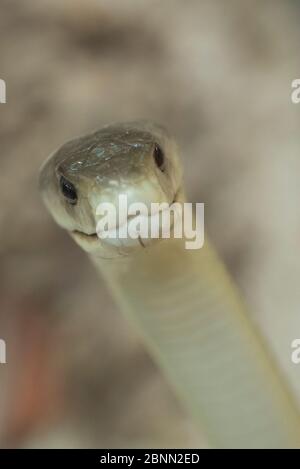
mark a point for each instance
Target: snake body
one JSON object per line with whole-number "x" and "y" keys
{"x": 182, "y": 302}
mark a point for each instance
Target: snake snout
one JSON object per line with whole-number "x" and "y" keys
{"x": 119, "y": 204}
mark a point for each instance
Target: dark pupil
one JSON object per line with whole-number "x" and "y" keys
{"x": 68, "y": 190}
{"x": 159, "y": 157}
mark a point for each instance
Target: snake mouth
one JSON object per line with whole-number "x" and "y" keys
{"x": 82, "y": 235}
{"x": 96, "y": 238}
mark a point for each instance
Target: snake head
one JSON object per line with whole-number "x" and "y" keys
{"x": 137, "y": 161}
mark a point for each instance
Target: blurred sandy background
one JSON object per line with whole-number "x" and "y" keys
{"x": 218, "y": 74}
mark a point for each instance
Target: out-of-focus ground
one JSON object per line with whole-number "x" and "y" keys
{"x": 218, "y": 74}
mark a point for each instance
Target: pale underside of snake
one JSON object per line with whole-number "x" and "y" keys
{"x": 182, "y": 302}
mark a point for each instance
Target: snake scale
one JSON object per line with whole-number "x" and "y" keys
{"x": 182, "y": 302}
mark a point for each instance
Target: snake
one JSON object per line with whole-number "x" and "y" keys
{"x": 183, "y": 303}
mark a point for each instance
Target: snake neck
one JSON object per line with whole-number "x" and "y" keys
{"x": 193, "y": 322}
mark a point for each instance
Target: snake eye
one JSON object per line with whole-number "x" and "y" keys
{"x": 159, "y": 157}
{"x": 68, "y": 190}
